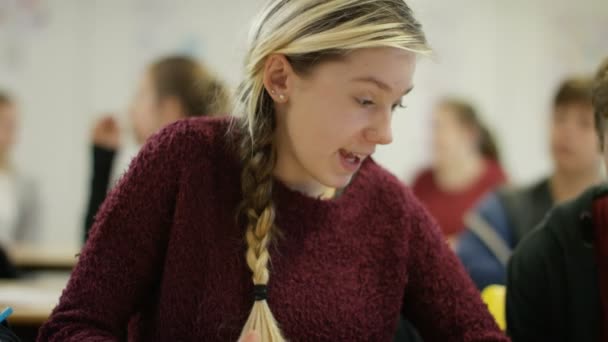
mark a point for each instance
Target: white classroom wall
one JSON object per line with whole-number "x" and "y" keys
{"x": 69, "y": 61}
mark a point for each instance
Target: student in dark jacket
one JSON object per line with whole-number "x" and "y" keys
{"x": 172, "y": 88}
{"x": 557, "y": 285}
{"x": 505, "y": 216}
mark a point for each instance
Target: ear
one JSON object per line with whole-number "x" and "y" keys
{"x": 278, "y": 77}
{"x": 170, "y": 110}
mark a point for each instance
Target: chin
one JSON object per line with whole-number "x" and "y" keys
{"x": 574, "y": 167}
{"x": 337, "y": 181}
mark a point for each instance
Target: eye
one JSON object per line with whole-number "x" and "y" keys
{"x": 398, "y": 105}
{"x": 365, "y": 102}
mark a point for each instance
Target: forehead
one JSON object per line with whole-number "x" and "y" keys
{"x": 444, "y": 114}
{"x": 575, "y": 109}
{"x": 391, "y": 66}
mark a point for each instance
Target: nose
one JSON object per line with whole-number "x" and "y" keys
{"x": 380, "y": 131}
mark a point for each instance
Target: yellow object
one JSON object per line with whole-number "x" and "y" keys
{"x": 494, "y": 296}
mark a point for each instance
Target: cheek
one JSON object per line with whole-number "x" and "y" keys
{"x": 595, "y": 147}
{"x": 144, "y": 123}
{"x": 325, "y": 123}
{"x": 587, "y": 141}
{"x": 147, "y": 109}
{"x": 3, "y": 136}
{"x": 146, "y": 112}
{"x": 145, "y": 102}
{"x": 446, "y": 138}
{"x": 345, "y": 127}
{"x": 6, "y": 141}
{"x": 7, "y": 131}
{"x": 137, "y": 120}
{"x": 557, "y": 135}
{"x": 310, "y": 133}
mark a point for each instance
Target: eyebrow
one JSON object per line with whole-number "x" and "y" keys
{"x": 380, "y": 84}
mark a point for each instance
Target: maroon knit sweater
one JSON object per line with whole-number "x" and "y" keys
{"x": 165, "y": 259}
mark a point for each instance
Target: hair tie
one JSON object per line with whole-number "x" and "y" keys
{"x": 260, "y": 292}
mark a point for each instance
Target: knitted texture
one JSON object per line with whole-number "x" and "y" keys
{"x": 166, "y": 259}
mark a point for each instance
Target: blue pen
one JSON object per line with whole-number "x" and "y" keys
{"x": 4, "y": 315}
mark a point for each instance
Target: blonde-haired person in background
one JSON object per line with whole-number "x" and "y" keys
{"x": 181, "y": 248}
{"x": 172, "y": 88}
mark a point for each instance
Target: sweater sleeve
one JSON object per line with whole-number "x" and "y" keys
{"x": 121, "y": 262}
{"x": 440, "y": 298}
{"x": 103, "y": 159}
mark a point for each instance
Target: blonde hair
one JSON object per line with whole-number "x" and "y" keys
{"x": 307, "y": 32}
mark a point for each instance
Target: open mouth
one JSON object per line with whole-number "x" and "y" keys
{"x": 351, "y": 160}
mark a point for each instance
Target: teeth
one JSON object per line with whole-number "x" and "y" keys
{"x": 353, "y": 157}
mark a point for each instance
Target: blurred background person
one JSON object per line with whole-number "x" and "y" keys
{"x": 465, "y": 165}
{"x": 19, "y": 197}
{"x": 171, "y": 89}
{"x": 504, "y": 217}
{"x": 557, "y": 287}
